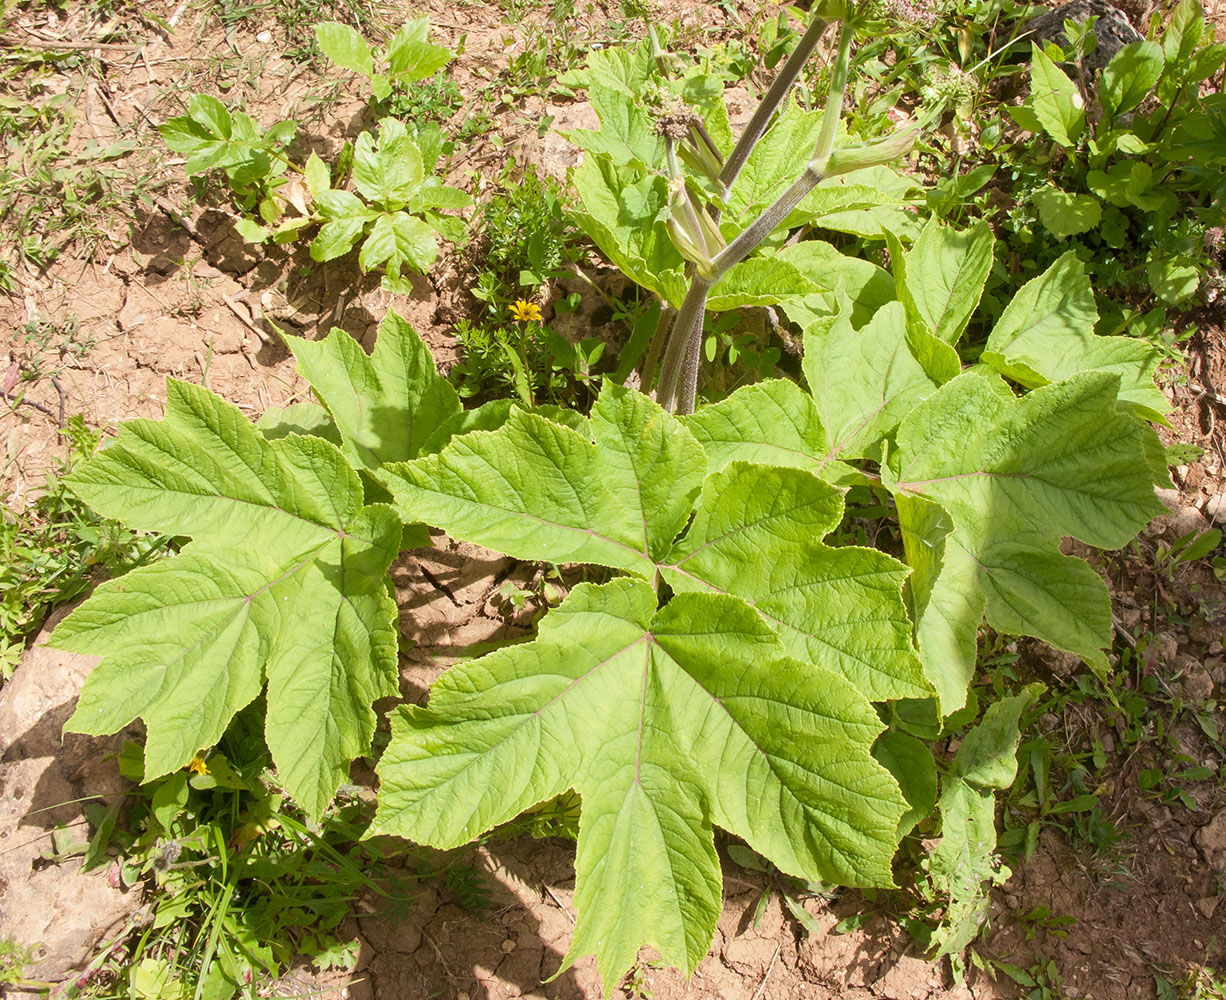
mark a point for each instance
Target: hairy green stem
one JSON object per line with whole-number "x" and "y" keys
{"x": 686, "y": 331}
{"x": 648, "y": 371}
{"x": 774, "y": 96}
{"x": 753, "y": 234}
{"x": 687, "y": 391}
{"x": 835, "y": 94}
{"x": 678, "y": 388}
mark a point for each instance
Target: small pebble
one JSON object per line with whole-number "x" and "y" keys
{"x": 264, "y": 37}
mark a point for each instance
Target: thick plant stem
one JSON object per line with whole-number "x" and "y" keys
{"x": 774, "y": 96}
{"x": 687, "y": 391}
{"x": 678, "y": 387}
{"x": 684, "y": 341}
{"x": 753, "y": 234}
{"x": 834, "y": 96}
{"x": 663, "y": 325}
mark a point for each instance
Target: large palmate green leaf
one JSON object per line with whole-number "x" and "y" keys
{"x": 756, "y": 535}
{"x": 620, "y": 494}
{"x": 1046, "y": 334}
{"x": 1015, "y": 476}
{"x": 667, "y": 722}
{"x": 384, "y": 405}
{"x": 284, "y": 584}
{"x": 537, "y": 490}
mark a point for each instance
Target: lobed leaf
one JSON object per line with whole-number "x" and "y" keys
{"x": 384, "y": 405}
{"x": 1015, "y": 476}
{"x": 756, "y": 535}
{"x": 1046, "y": 333}
{"x": 537, "y": 490}
{"x": 666, "y": 723}
{"x": 860, "y": 411}
{"x": 283, "y": 583}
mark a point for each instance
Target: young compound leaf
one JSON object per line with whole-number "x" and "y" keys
{"x": 411, "y": 56}
{"x": 396, "y": 239}
{"x": 345, "y": 47}
{"x": 284, "y": 581}
{"x": 388, "y": 171}
{"x": 203, "y": 134}
{"x": 667, "y": 723}
{"x": 1015, "y": 476}
{"x": 345, "y": 218}
{"x": 1046, "y": 334}
{"x": 536, "y": 490}
{"x": 385, "y": 405}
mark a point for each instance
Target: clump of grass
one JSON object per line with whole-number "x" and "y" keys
{"x": 55, "y": 549}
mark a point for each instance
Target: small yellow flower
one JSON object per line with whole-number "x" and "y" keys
{"x": 198, "y": 766}
{"x": 526, "y": 312}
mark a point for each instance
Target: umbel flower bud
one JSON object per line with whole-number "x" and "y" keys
{"x": 693, "y": 232}
{"x": 684, "y": 129}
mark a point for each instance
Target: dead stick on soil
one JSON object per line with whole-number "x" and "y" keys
{"x": 50, "y": 44}
{"x": 179, "y": 218}
{"x": 60, "y": 389}
{"x": 245, "y": 320}
{"x": 19, "y": 400}
{"x": 769, "y": 968}
{"x": 1123, "y": 633}
{"x": 106, "y": 103}
{"x": 438, "y": 951}
{"x": 558, "y": 902}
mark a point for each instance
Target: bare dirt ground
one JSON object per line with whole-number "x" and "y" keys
{"x": 167, "y": 288}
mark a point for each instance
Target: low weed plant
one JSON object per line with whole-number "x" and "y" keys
{"x": 55, "y": 549}
{"x": 399, "y": 206}
{"x": 238, "y": 882}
